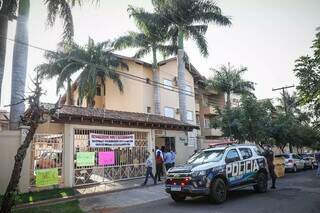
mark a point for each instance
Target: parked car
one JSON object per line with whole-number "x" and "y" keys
{"x": 309, "y": 161}
{"x": 215, "y": 171}
{"x": 293, "y": 162}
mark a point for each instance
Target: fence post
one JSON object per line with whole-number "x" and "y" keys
{"x": 68, "y": 161}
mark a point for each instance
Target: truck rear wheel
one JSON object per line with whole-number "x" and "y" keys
{"x": 177, "y": 198}
{"x": 218, "y": 191}
{"x": 262, "y": 183}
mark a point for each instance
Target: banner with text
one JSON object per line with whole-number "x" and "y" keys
{"x": 111, "y": 141}
{"x": 46, "y": 177}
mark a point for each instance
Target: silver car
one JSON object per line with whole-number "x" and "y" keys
{"x": 293, "y": 162}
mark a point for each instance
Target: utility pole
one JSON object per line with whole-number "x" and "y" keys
{"x": 285, "y": 105}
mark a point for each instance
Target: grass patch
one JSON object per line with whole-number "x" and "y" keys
{"x": 43, "y": 195}
{"x": 70, "y": 207}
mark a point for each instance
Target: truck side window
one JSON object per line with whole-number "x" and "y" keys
{"x": 232, "y": 156}
{"x": 245, "y": 153}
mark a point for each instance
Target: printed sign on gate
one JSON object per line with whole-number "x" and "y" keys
{"x": 85, "y": 158}
{"x": 111, "y": 141}
{"x": 46, "y": 177}
{"x": 106, "y": 158}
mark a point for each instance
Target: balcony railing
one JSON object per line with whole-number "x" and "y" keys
{"x": 210, "y": 110}
{"x": 212, "y": 132}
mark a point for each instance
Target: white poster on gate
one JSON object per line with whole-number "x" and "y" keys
{"x": 111, "y": 141}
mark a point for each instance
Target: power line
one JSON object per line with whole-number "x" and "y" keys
{"x": 126, "y": 75}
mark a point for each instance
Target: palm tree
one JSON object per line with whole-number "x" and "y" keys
{"x": 188, "y": 19}
{"x": 61, "y": 8}
{"x": 229, "y": 80}
{"x": 151, "y": 38}
{"x": 93, "y": 61}
{"x": 7, "y": 13}
{"x": 19, "y": 65}
{"x": 58, "y": 63}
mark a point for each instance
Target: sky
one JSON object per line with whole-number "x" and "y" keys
{"x": 266, "y": 36}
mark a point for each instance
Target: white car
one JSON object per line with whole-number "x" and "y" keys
{"x": 293, "y": 162}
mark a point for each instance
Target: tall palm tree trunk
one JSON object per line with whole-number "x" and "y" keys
{"x": 3, "y": 45}
{"x": 69, "y": 92}
{"x": 19, "y": 65}
{"x": 156, "y": 88}
{"x": 182, "y": 79}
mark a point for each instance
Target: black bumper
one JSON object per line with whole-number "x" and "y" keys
{"x": 189, "y": 190}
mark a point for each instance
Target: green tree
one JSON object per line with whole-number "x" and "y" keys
{"x": 307, "y": 70}
{"x": 61, "y": 8}
{"x": 229, "y": 80}
{"x": 188, "y": 19}
{"x": 150, "y": 38}
{"x": 251, "y": 121}
{"x": 94, "y": 61}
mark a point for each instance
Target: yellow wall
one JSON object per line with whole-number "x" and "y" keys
{"x": 170, "y": 98}
{"x": 132, "y": 99}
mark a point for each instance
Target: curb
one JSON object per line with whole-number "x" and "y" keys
{"x": 75, "y": 197}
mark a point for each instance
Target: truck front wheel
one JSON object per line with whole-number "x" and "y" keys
{"x": 218, "y": 191}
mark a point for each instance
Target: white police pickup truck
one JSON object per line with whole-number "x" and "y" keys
{"x": 215, "y": 171}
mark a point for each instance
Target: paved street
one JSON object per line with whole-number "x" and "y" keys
{"x": 296, "y": 193}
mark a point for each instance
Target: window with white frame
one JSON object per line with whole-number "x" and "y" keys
{"x": 167, "y": 84}
{"x": 169, "y": 112}
{"x": 189, "y": 115}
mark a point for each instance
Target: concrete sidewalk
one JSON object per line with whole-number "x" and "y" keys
{"x": 123, "y": 198}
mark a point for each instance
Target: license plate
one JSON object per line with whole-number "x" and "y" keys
{"x": 176, "y": 188}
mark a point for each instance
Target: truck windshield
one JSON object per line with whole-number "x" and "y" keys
{"x": 206, "y": 156}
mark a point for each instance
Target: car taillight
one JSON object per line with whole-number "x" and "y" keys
{"x": 290, "y": 161}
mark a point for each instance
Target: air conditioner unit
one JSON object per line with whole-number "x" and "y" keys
{"x": 177, "y": 111}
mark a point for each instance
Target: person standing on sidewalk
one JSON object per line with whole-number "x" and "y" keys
{"x": 159, "y": 166}
{"x": 317, "y": 157}
{"x": 269, "y": 155}
{"x": 149, "y": 164}
{"x": 167, "y": 159}
{"x": 173, "y": 158}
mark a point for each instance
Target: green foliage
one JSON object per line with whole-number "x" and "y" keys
{"x": 229, "y": 80}
{"x": 151, "y": 38}
{"x": 93, "y": 61}
{"x": 259, "y": 122}
{"x": 189, "y": 19}
{"x": 307, "y": 70}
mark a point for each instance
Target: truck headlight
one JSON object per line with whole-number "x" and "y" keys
{"x": 199, "y": 173}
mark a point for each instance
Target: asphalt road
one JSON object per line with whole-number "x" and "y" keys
{"x": 295, "y": 193}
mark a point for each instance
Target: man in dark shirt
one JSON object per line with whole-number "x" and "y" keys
{"x": 269, "y": 155}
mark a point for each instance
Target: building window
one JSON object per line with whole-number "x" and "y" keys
{"x": 189, "y": 115}
{"x": 169, "y": 112}
{"x": 188, "y": 90}
{"x": 99, "y": 90}
{"x": 167, "y": 84}
{"x": 206, "y": 123}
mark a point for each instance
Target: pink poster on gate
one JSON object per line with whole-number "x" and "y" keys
{"x": 106, "y": 158}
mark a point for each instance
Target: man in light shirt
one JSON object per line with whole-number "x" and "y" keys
{"x": 149, "y": 164}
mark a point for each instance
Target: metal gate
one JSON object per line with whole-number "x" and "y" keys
{"x": 128, "y": 162}
{"x": 46, "y": 159}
